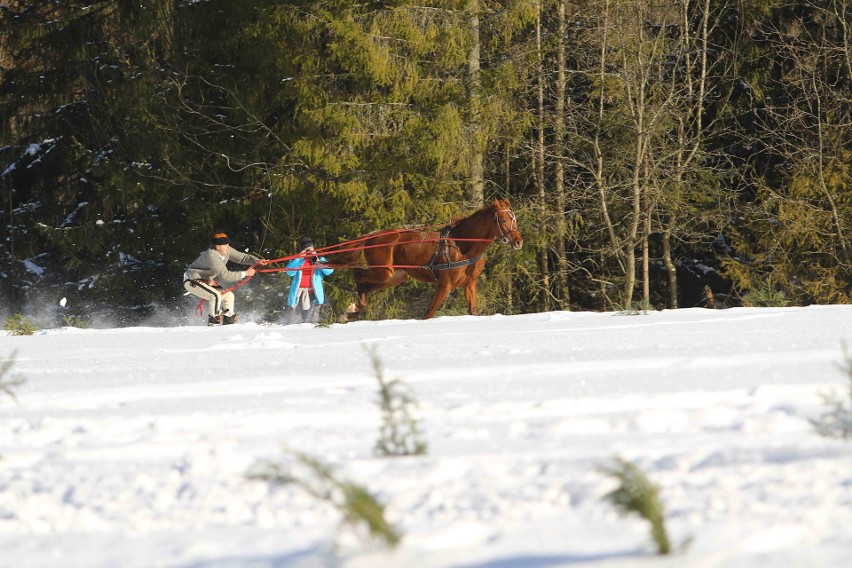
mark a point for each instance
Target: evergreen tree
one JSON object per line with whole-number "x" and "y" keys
{"x": 73, "y": 144}
{"x": 795, "y": 224}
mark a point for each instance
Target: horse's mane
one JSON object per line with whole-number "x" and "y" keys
{"x": 480, "y": 211}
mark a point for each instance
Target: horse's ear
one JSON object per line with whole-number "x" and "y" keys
{"x": 496, "y": 203}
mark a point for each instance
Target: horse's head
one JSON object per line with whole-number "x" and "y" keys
{"x": 507, "y": 224}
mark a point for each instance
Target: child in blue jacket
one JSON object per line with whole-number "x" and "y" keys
{"x": 306, "y": 295}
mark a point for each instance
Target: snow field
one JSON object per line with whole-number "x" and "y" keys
{"x": 130, "y": 446}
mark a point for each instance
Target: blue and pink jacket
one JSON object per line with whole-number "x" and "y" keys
{"x": 316, "y": 280}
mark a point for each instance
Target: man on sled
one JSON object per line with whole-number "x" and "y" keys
{"x": 204, "y": 277}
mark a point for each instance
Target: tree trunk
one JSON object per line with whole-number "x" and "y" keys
{"x": 508, "y": 285}
{"x": 597, "y": 142}
{"x": 633, "y": 236}
{"x": 646, "y": 263}
{"x": 564, "y": 297}
{"x": 636, "y": 89}
{"x": 475, "y": 193}
{"x": 539, "y": 151}
{"x": 671, "y": 271}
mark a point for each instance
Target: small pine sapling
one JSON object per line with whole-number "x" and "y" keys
{"x": 837, "y": 423}
{"x": 399, "y": 434}
{"x": 18, "y": 324}
{"x": 359, "y": 509}
{"x": 637, "y": 494}
{"x": 76, "y": 321}
{"x": 636, "y": 309}
{"x": 767, "y": 295}
{"x": 9, "y": 382}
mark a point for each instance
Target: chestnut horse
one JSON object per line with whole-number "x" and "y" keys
{"x": 449, "y": 258}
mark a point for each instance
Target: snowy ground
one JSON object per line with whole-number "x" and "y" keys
{"x": 129, "y": 447}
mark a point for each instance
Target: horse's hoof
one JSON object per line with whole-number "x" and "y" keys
{"x": 352, "y": 313}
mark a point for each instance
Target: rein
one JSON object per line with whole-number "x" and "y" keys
{"x": 347, "y": 246}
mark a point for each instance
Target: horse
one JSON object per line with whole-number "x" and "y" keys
{"x": 449, "y": 258}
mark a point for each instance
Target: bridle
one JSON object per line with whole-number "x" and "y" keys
{"x": 513, "y": 227}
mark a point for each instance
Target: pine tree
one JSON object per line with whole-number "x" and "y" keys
{"x": 72, "y": 140}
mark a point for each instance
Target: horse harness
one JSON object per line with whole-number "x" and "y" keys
{"x": 443, "y": 249}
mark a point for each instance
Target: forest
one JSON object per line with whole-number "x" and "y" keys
{"x": 658, "y": 154}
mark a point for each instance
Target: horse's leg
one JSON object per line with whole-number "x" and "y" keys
{"x": 380, "y": 260}
{"x": 469, "y": 285}
{"x": 440, "y": 295}
{"x": 398, "y": 277}
{"x": 387, "y": 280}
{"x": 361, "y": 287}
{"x": 365, "y": 285}
{"x": 470, "y": 296}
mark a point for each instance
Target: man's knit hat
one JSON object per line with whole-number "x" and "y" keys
{"x": 220, "y": 238}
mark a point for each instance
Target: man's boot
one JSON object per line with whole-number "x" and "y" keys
{"x": 289, "y": 316}
{"x": 313, "y": 315}
{"x": 228, "y": 320}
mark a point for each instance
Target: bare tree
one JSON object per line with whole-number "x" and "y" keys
{"x": 564, "y": 297}
{"x": 647, "y": 132}
{"x": 682, "y": 151}
{"x": 645, "y": 104}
